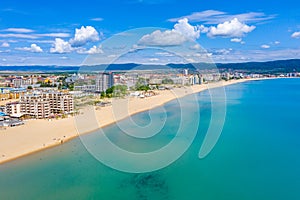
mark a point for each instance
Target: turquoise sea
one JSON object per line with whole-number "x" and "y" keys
{"x": 256, "y": 157}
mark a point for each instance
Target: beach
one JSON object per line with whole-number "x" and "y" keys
{"x": 40, "y": 134}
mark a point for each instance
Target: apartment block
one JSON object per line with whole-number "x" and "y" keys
{"x": 41, "y": 105}
{"x": 13, "y": 109}
{"x": 104, "y": 81}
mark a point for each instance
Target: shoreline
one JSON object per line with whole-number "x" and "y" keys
{"x": 21, "y": 141}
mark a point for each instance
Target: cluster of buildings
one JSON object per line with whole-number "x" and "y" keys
{"x": 24, "y": 81}
{"x": 7, "y": 93}
{"x": 102, "y": 81}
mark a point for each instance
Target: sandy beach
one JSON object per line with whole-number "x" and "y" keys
{"x": 37, "y": 135}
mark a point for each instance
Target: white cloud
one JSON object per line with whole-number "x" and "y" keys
{"x": 18, "y": 35}
{"x": 199, "y": 16}
{"x": 97, "y": 19}
{"x": 181, "y": 33}
{"x": 84, "y": 35}
{"x": 165, "y": 38}
{"x": 238, "y": 40}
{"x": 233, "y": 28}
{"x": 221, "y": 51}
{"x": 5, "y": 51}
{"x": 188, "y": 31}
{"x": 195, "y": 47}
{"x": 276, "y": 42}
{"x": 265, "y": 46}
{"x": 18, "y": 30}
{"x": 165, "y": 54}
{"x": 217, "y": 17}
{"x": 153, "y": 59}
{"x": 92, "y": 50}
{"x": 61, "y": 46}
{"x": 33, "y": 36}
{"x": 203, "y": 29}
{"x": 95, "y": 50}
{"x": 112, "y": 56}
{"x": 5, "y": 44}
{"x": 33, "y": 48}
{"x": 62, "y": 35}
{"x": 296, "y": 35}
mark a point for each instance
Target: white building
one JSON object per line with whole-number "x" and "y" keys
{"x": 104, "y": 81}
{"x": 13, "y": 109}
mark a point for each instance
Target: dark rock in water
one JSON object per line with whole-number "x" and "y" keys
{"x": 146, "y": 186}
{"x": 150, "y": 186}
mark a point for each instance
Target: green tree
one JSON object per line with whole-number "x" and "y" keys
{"x": 120, "y": 90}
{"x": 143, "y": 88}
{"x": 167, "y": 81}
{"x": 110, "y": 90}
{"x": 103, "y": 95}
{"x": 142, "y": 84}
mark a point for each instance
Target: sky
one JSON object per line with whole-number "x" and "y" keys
{"x": 147, "y": 31}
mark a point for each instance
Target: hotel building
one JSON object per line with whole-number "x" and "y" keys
{"x": 104, "y": 81}
{"x": 41, "y": 105}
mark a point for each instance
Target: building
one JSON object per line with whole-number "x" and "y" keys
{"x": 19, "y": 82}
{"x": 185, "y": 72}
{"x": 86, "y": 88}
{"x": 73, "y": 78}
{"x": 41, "y": 105}
{"x": 10, "y": 122}
{"x": 60, "y": 103}
{"x": 11, "y": 93}
{"x": 35, "y": 105}
{"x": 104, "y": 81}
{"x": 13, "y": 109}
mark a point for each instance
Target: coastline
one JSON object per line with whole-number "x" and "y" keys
{"x": 38, "y": 135}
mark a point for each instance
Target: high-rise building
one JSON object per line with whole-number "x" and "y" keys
{"x": 104, "y": 81}
{"x": 185, "y": 72}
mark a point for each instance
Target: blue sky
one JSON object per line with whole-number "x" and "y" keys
{"x": 67, "y": 33}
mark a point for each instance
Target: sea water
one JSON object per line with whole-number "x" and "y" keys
{"x": 256, "y": 157}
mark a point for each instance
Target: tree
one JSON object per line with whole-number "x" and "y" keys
{"x": 142, "y": 84}
{"x": 167, "y": 81}
{"x": 110, "y": 90}
{"x": 120, "y": 90}
{"x": 102, "y": 94}
{"x": 29, "y": 87}
{"x": 143, "y": 88}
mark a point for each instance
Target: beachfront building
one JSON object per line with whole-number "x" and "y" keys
{"x": 104, "y": 81}
{"x": 195, "y": 79}
{"x": 42, "y": 105}
{"x": 34, "y": 105}
{"x": 60, "y": 103}
{"x": 13, "y": 109}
